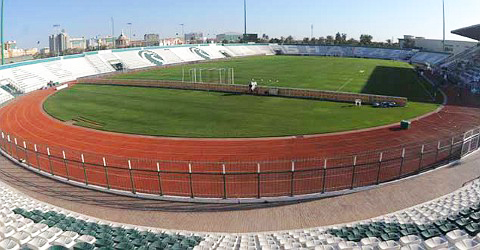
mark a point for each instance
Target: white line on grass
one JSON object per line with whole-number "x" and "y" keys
{"x": 345, "y": 84}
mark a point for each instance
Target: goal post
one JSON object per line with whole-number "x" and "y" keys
{"x": 209, "y": 75}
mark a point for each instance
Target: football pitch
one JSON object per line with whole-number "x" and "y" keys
{"x": 184, "y": 113}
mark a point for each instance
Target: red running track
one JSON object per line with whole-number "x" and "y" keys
{"x": 26, "y": 119}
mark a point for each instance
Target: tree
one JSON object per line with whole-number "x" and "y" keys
{"x": 289, "y": 39}
{"x": 338, "y": 38}
{"x": 344, "y": 37}
{"x": 366, "y": 39}
{"x": 306, "y": 40}
{"x": 322, "y": 40}
{"x": 352, "y": 41}
{"x": 329, "y": 40}
{"x": 313, "y": 40}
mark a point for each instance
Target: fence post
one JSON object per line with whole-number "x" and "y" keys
{"x": 84, "y": 171}
{"x": 324, "y": 175}
{"x": 421, "y": 158}
{"x": 16, "y": 148}
{"x": 159, "y": 180}
{"x": 105, "y": 168}
{"x": 292, "y": 180}
{"x": 438, "y": 151}
{"x": 36, "y": 154}
{"x": 353, "y": 173}
{"x": 401, "y": 163}
{"x": 379, "y": 167}
{"x": 65, "y": 163}
{"x": 258, "y": 181}
{"x": 3, "y": 142}
{"x": 224, "y": 181}
{"x": 10, "y": 145}
{"x": 190, "y": 179}
{"x": 132, "y": 182}
{"x": 451, "y": 149}
{"x": 49, "y": 161}
{"x": 26, "y": 152}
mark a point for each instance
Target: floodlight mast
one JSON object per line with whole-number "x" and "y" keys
{"x": 3, "y": 44}
{"x": 443, "y": 2}
{"x": 245, "y": 18}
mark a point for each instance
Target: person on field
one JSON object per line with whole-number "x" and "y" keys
{"x": 252, "y": 86}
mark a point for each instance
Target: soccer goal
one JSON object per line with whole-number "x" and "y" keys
{"x": 209, "y": 75}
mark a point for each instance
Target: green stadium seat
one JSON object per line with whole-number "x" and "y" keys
{"x": 430, "y": 233}
{"x": 57, "y": 248}
{"x": 83, "y": 246}
{"x": 447, "y": 227}
{"x": 124, "y": 246}
{"x": 104, "y": 243}
{"x": 462, "y": 222}
{"x": 472, "y": 228}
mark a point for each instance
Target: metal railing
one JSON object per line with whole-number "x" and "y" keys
{"x": 233, "y": 180}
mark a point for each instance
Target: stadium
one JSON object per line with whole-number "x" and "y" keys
{"x": 242, "y": 146}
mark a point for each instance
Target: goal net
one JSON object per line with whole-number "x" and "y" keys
{"x": 209, "y": 75}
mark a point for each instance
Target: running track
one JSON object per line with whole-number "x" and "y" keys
{"x": 26, "y": 119}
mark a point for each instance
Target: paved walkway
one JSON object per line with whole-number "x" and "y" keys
{"x": 244, "y": 217}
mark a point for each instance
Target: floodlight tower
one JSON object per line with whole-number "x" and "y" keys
{"x": 443, "y": 2}
{"x": 244, "y": 18}
{"x": 113, "y": 32}
{"x": 130, "y": 26}
{"x": 1, "y": 35}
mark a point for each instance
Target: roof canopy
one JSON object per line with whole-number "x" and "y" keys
{"x": 472, "y": 32}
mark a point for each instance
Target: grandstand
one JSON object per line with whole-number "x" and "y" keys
{"x": 33, "y": 75}
{"x": 464, "y": 68}
{"x": 448, "y": 222}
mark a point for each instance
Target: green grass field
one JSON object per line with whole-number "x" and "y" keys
{"x": 182, "y": 113}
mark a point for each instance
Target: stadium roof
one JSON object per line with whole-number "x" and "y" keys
{"x": 472, "y": 32}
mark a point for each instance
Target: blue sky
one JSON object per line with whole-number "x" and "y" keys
{"x": 28, "y": 21}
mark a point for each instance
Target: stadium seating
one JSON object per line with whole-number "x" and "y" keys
{"x": 32, "y": 75}
{"x": 465, "y": 68}
{"x": 56, "y": 68}
{"x": 429, "y": 57}
{"x": 99, "y": 64}
{"x": 213, "y": 51}
{"x": 26, "y": 80}
{"x": 5, "y": 95}
{"x": 186, "y": 55}
{"x": 168, "y": 56}
{"x": 79, "y": 67}
{"x": 346, "y": 51}
{"x": 449, "y": 222}
{"x": 132, "y": 60}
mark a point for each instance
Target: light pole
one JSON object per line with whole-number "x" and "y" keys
{"x": 244, "y": 19}
{"x": 443, "y": 2}
{"x": 130, "y": 26}
{"x": 183, "y": 32}
{"x": 113, "y": 32}
{"x": 311, "y": 32}
{"x": 3, "y": 44}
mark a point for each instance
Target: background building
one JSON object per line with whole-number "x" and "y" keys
{"x": 196, "y": 37}
{"x": 122, "y": 41}
{"x": 434, "y": 45}
{"x": 58, "y": 43}
{"x": 152, "y": 39}
{"x": 229, "y": 37}
{"x": 77, "y": 43}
